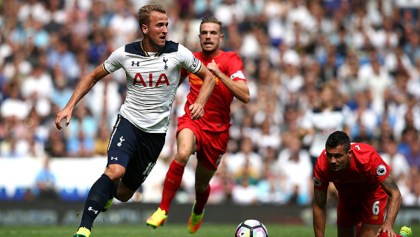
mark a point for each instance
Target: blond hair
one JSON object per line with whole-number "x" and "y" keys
{"x": 144, "y": 13}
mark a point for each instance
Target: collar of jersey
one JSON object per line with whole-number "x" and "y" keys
{"x": 147, "y": 54}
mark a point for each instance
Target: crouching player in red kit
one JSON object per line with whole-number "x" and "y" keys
{"x": 365, "y": 188}
{"x": 209, "y": 135}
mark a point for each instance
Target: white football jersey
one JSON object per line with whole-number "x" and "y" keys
{"x": 152, "y": 81}
{"x": 324, "y": 122}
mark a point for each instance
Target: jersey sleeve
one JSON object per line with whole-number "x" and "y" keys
{"x": 379, "y": 168}
{"x": 187, "y": 59}
{"x": 320, "y": 177}
{"x": 236, "y": 67}
{"x": 373, "y": 164}
{"x": 114, "y": 61}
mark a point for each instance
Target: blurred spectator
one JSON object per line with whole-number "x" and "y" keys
{"x": 104, "y": 101}
{"x": 271, "y": 188}
{"x": 14, "y": 107}
{"x": 413, "y": 153}
{"x": 247, "y": 170}
{"x": 268, "y": 136}
{"x": 122, "y": 16}
{"x": 45, "y": 183}
{"x": 236, "y": 162}
{"x": 245, "y": 193}
{"x": 84, "y": 121}
{"x": 229, "y": 12}
{"x": 102, "y": 140}
{"x": 61, "y": 92}
{"x": 221, "y": 185}
{"x": 323, "y": 119}
{"x": 34, "y": 9}
{"x": 377, "y": 80}
{"x": 17, "y": 66}
{"x": 397, "y": 161}
{"x": 80, "y": 145}
{"x": 294, "y": 169}
{"x": 60, "y": 55}
{"x": 55, "y": 145}
{"x": 412, "y": 194}
{"x": 55, "y": 15}
{"x": 37, "y": 88}
{"x": 363, "y": 119}
{"x": 291, "y": 79}
{"x": 413, "y": 84}
{"x": 97, "y": 47}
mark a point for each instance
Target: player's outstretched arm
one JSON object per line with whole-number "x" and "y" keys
{"x": 82, "y": 88}
{"x": 197, "y": 109}
{"x": 395, "y": 199}
{"x": 319, "y": 212}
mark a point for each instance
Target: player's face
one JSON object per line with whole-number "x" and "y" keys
{"x": 156, "y": 30}
{"x": 210, "y": 36}
{"x": 338, "y": 157}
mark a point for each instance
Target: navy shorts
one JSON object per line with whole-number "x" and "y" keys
{"x": 134, "y": 149}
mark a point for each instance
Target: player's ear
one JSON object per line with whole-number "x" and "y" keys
{"x": 144, "y": 29}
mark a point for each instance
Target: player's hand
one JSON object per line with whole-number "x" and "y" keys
{"x": 197, "y": 111}
{"x": 212, "y": 66}
{"x": 386, "y": 230}
{"x": 64, "y": 114}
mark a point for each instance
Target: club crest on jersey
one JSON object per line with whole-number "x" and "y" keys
{"x": 135, "y": 63}
{"x": 165, "y": 61}
{"x": 381, "y": 170}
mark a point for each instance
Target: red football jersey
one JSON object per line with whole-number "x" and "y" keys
{"x": 217, "y": 109}
{"x": 367, "y": 170}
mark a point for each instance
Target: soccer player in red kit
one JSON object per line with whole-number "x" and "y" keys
{"x": 209, "y": 135}
{"x": 365, "y": 188}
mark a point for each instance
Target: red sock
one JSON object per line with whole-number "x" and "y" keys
{"x": 201, "y": 200}
{"x": 171, "y": 184}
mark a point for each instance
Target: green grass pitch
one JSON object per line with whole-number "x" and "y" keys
{"x": 172, "y": 230}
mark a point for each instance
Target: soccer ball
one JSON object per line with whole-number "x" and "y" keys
{"x": 251, "y": 228}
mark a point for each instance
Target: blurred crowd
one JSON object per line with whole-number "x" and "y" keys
{"x": 313, "y": 66}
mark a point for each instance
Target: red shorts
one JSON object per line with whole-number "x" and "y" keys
{"x": 369, "y": 209}
{"x": 210, "y": 145}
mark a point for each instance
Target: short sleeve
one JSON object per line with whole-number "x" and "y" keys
{"x": 187, "y": 59}
{"x": 114, "y": 61}
{"x": 319, "y": 179}
{"x": 235, "y": 67}
{"x": 380, "y": 169}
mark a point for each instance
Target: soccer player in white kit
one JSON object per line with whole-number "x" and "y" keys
{"x": 152, "y": 67}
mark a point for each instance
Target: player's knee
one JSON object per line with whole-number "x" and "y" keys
{"x": 182, "y": 157}
{"x": 115, "y": 172}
